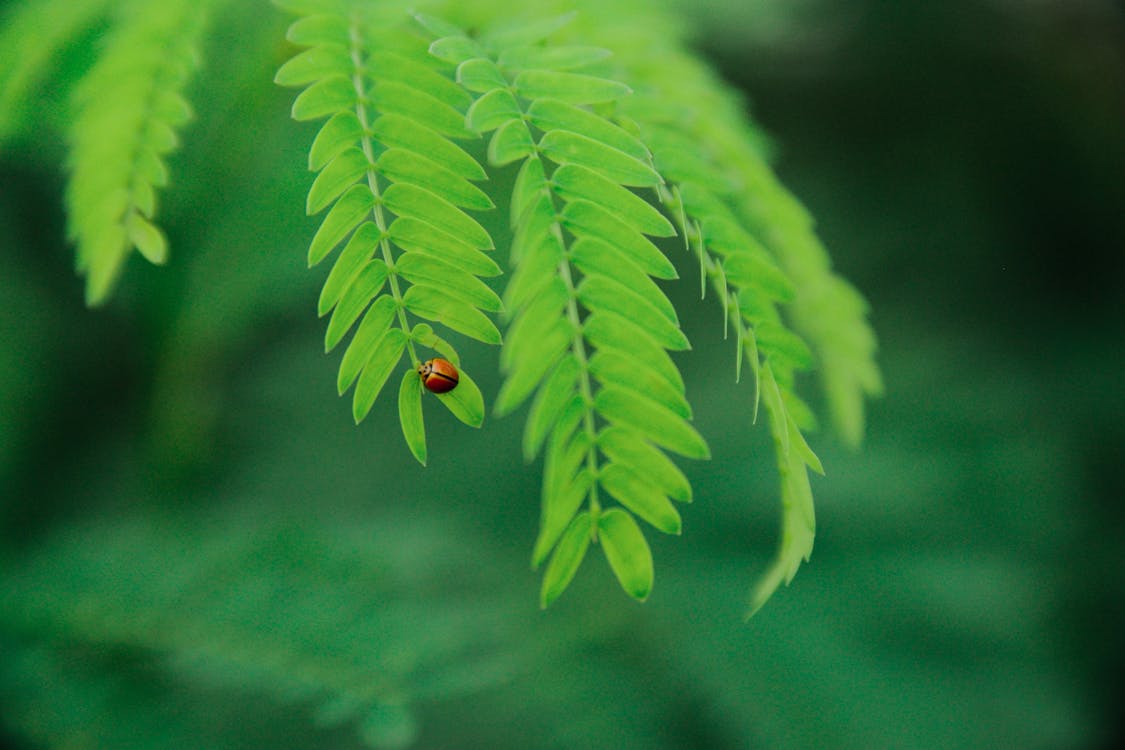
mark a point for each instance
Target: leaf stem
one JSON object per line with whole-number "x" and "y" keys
{"x": 373, "y": 184}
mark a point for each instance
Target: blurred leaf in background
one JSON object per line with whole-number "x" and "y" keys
{"x": 200, "y": 549}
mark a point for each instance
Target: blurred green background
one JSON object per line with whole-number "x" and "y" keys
{"x": 199, "y": 549}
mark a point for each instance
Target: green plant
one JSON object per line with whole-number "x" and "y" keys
{"x": 623, "y": 146}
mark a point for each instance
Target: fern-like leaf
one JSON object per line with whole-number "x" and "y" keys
{"x": 129, "y": 108}
{"x": 583, "y": 307}
{"x": 756, "y": 249}
{"x": 396, "y": 186}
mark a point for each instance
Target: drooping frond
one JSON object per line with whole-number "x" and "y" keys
{"x": 756, "y": 249}
{"x": 128, "y": 109}
{"x": 590, "y": 330}
{"x": 32, "y": 32}
{"x": 396, "y": 186}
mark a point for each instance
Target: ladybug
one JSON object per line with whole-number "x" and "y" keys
{"x": 438, "y": 375}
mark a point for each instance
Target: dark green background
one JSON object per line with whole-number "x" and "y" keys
{"x": 201, "y": 550}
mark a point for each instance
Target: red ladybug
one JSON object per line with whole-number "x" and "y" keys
{"x": 438, "y": 375}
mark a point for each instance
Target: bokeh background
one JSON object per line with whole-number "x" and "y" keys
{"x": 199, "y": 549}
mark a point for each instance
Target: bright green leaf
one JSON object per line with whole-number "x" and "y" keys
{"x": 548, "y": 404}
{"x": 378, "y": 369}
{"x": 314, "y": 64}
{"x": 400, "y": 165}
{"x": 511, "y": 142}
{"x": 572, "y": 88}
{"x": 563, "y": 147}
{"x": 493, "y": 110}
{"x": 658, "y": 424}
{"x": 367, "y": 283}
{"x": 341, "y": 132}
{"x": 616, "y": 367}
{"x": 396, "y": 131}
{"x": 587, "y": 219}
{"x": 627, "y": 552}
{"x": 418, "y": 236}
{"x": 399, "y": 99}
{"x": 594, "y": 257}
{"x": 325, "y": 97}
{"x": 420, "y": 268}
{"x": 603, "y": 293}
{"x": 641, "y": 496}
{"x": 629, "y": 447}
{"x": 573, "y": 182}
{"x": 421, "y": 204}
{"x": 340, "y": 174}
{"x": 566, "y": 559}
{"x": 552, "y": 57}
{"x": 480, "y": 75}
{"x": 434, "y": 304}
{"x": 367, "y": 337}
{"x": 410, "y": 414}
{"x": 360, "y": 248}
{"x": 549, "y": 114}
{"x": 350, "y": 210}
{"x": 465, "y": 401}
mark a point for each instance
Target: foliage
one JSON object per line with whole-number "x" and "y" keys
{"x": 198, "y": 548}
{"x": 576, "y": 105}
{"x": 612, "y": 157}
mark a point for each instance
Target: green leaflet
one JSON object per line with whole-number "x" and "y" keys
{"x": 527, "y": 373}
{"x": 493, "y": 110}
{"x": 571, "y": 88}
{"x": 640, "y": 496}
{"x": 367, "y": 283}
{"x": 384, "y": 65}
{"x": 548, "y": 405}
{"x": 340, "y": 133}
{"x": 434, "y": 304}
{"x": 421, "y": 204}
{"x": 397, "y": 131}
{"x": 566, "y": 559}
{"x": 417, "y": 236}
{"x": 549, "y": 115}
{"x": 564, "y": 147}
{"x": 627, "y": 552}
{"x": 325, "y": 97}
{"x": 552, "y": 58}
{"x": 596, "y": 258}
{"x": 621, "y": 368}
{"x": 607, "y": 330}
{"x": 399, "y": 99}
{"x": 410, "y": 414}
{"x": 375, "y": 373}
{"x": 352, "y": 208}
{"x": 336, "y": 177}
{"x": 401, "y": 165}
{"x": 511, "y": 142}
{"x": 465, "y": 401}
{"x": 559, "y": 510}
{"x": 603, "y": 293}
{"x": 360, "y": 248}
{"x": 587, "y": 219}
{"x": 368, "y": 337}
{"x": 480, "y": 75}
{"x": 313, "y": 64}
{"x": 573, "y": 182}
{"x": 428, "y": 270}
{"x": 657, "y": 423}
{"x": 629, "y": 448}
